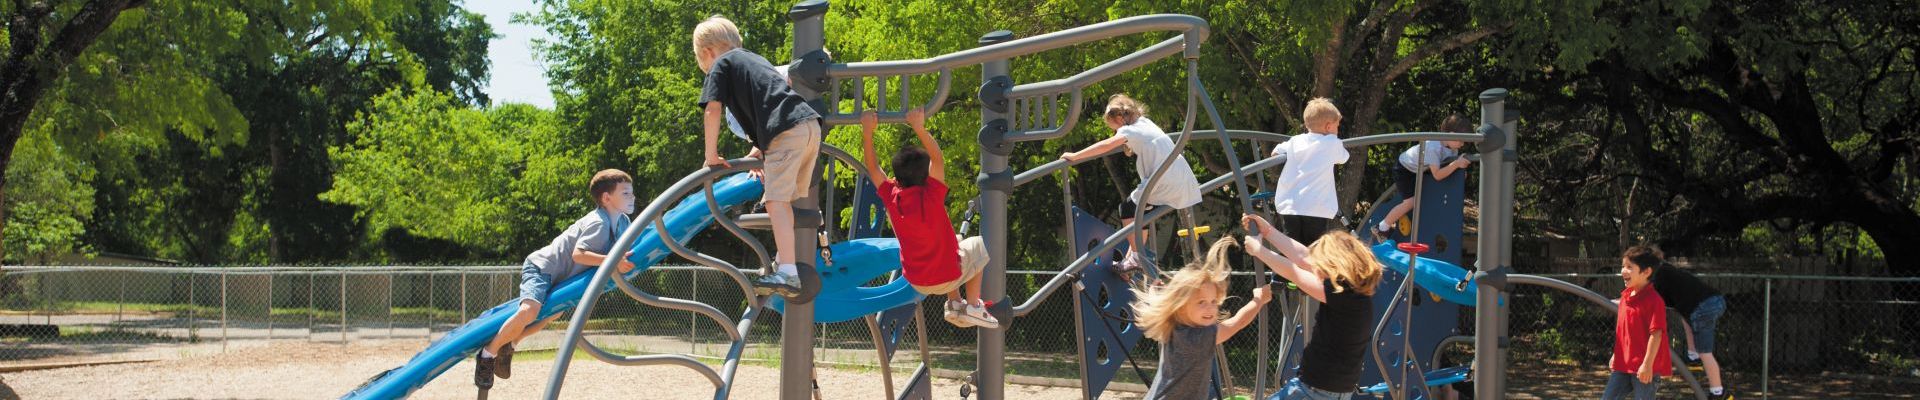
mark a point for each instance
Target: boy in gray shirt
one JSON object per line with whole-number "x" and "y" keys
{"x": 580, "y": 248}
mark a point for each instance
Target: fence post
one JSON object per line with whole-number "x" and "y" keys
{"x": 1766, "y": 341}
{"x": 312, "y": 311}
{"x": 463, "y": 294}
{"x": 693, "y": 320}
{"x": 389, "y": 306}
{"x": 223, "y": 311}
{"x": 343, "y": 307}
{"x": 430, "y": 306}
{"x": 120, "y": 304}
{"x": 193, "y": 306}
{"x": 270, "y": 278}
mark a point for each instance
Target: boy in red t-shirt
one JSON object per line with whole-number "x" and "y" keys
{"x": 933, "y": 259}
{"x": 1640, "y": 353}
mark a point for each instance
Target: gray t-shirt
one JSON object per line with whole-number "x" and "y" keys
{"x": 1186, "y": 364}
{"x": 591, "y": 233}
{"x": 1437, "y": 151}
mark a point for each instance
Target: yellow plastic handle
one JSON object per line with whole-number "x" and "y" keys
{"x": 1198, "y": 230}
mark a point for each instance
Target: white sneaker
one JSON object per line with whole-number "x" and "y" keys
{"x": 955, "y": 308}
{"x": 978, "y": 316}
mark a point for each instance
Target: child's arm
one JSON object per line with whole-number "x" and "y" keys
{"x": 1293, "y": 272}
{"x": 714, "y": 118}
{"x": 1245, "y": 316}
{"x": 936, "y": 162}
{"x": 868, "y": 122}
{"x": 1442, "y": 172}
{"x": 1645, "y": 372}
{"x": 1101, "y": 147}
{"x": 584, "y": 257}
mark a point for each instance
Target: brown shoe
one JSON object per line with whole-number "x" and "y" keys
{"x": 503, "y": 362}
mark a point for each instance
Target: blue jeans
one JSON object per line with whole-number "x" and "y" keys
{"x": 1625, "y": 386}
{"x": 1705, "y": 320}
{"x": 1295, "y": 390}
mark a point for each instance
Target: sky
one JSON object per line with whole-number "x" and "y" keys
{"x": 517, "y": 76}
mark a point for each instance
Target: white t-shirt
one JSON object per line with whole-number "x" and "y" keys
{"x": 1150, "y": 145}
{"x": 1306, "y": 184}
{"x": 1436, "y": 151}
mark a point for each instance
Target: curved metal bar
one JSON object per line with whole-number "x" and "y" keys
{"x": 1374, "y": 343}
{"x": 734, "y": 351}
{"x": 1385, "y": 138}
{"x": 682, "y": 250}
{"x": 1198, "y": 92}
{"x": 1076, "y": 101}
{"x": 677, "y": 304}
{"x": 658, "y": 359}
{"x": 1120, "y": 236}
{"x": 1606, "y": 303}
{"x": 1057, "y": 164}
{"x": 759, "y": 250}
{"x": 1194, "y": 30}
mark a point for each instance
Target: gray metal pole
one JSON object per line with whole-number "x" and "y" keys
{"x": 995, "y": 183}
{"x": 312, "y": 311}
{"x": 1766, "y": 341}
{"x": 223, "y": 311}
{"x": 1489, "y": 336}
{"x": 796, "y": 323}
{"x": 343, "y": 307}
{"x": 270, "y": 307}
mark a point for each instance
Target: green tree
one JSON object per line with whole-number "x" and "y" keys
{"x": 51, "y": 200}
{"x": 493, "y": 180}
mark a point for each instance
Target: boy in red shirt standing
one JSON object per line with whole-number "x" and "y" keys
{"x": 932, "y": 258}
{"x": 1640, "y": 352}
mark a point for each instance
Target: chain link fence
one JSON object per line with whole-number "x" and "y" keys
{"x": 1784, "y": 335}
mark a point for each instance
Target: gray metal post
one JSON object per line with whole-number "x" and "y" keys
{"x": 796, "y": 323}
{"x": 270, "y": 306}
{"x": 996, "y": 184}
{"x": 312, "y": 311}
{"x": 343, "y": 307}
{"x": 1766, "y": 341}
{"x": 1490, "y": 341}
{"x": 223, "y": 311}
{"x": 389, "y": 306}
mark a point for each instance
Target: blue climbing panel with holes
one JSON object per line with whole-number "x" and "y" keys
{"x": 869, "y": 216}
{"x": 1442, "y": 220}
{"x": 1107, "y": 340}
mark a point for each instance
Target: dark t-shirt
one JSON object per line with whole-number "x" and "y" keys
{"x": 756, "y": 94}
{"x": 1340, "y": 333}
{"x": 1186, "y": 363}
{"x": 1682, "y": 290}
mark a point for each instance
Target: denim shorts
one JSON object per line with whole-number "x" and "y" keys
{"x": 1705, "y": 320}
{"x": 1296, "y": 390}
{"x": 1623, "y": 385}
{"x": 534, "y": 285}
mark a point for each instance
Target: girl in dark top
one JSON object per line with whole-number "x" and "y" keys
{"x": 1701, "y": 304}
{"x": 1339, "y": 271}
{"x": 1184, "y": 316}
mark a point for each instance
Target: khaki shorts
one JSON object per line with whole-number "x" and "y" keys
{"x": 973, "y": 259}
{"x": 789, "y": 162}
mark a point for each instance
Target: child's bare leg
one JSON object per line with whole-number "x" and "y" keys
{"x": 1713, "y": 369}
{"x": 1132, "y": 244}
{"x": 512, "y": 331}
{"x": 1393, "y": 216}
{"x": 973, "y": 290}
{"x": 535, "y": 328}
{"x": 781, "y": 212}
{"x": 1688, "y": 328}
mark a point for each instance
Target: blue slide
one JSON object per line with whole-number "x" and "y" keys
{"x": 1440, "y": 277}
{"x": 689, "y": 217}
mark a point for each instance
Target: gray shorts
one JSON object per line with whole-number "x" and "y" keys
{"x": 534, "y": 285}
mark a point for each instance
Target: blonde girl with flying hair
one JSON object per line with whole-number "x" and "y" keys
{"x": 1184, "y": 316}
{"x": 1340, "y": 272}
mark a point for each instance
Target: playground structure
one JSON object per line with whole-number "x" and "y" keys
{"x": 1410, "y": 330}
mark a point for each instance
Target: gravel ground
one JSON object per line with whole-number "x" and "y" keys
{"x": 324, "y": 371}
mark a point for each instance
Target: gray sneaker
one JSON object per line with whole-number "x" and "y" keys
{"x": 954, "y": 309}
{"x": 783, "y": 284}
{"x": 979, "y": 317}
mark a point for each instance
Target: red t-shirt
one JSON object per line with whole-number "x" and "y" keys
{"x": 929, "y": 253}
{"x": 1640, "y": 314}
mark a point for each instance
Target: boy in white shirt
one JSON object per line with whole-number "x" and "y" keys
{"x": 1305, "y": 195}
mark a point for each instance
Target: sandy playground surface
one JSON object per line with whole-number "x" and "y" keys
{"x": 295, "y": 370}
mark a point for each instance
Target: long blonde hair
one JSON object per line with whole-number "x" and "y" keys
{"x": 1156, "y": 308}
{"x": 1346, "y": 261}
